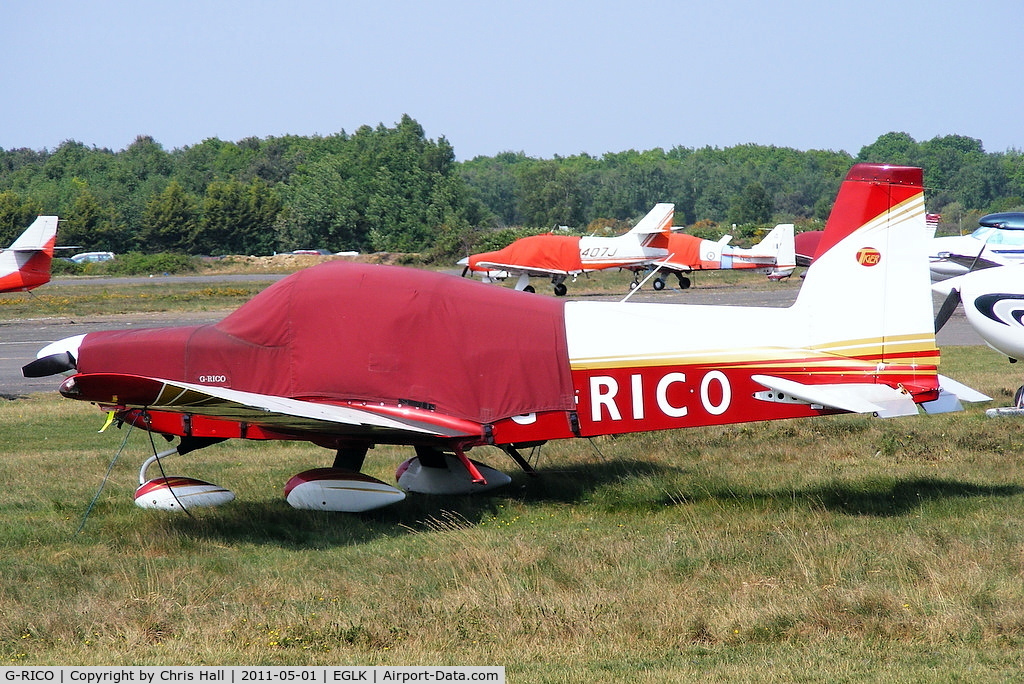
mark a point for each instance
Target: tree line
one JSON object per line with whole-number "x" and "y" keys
{"x": 393, "y": 189}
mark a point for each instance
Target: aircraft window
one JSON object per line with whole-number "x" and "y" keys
{"x": 995, "y": 236}
{"x": 1012, "y": 237}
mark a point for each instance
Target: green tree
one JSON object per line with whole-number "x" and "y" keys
{"x": 323, "y": 208}
{"x": 493, "y": 182}
{"x": 377, "y": 189}
{"x": 170, "y": 221}
{"x": 551, "y": 195}
{"x": 16, "y": 213}
{"x": 91, "y": 223}
{"x": 891, "y": 148}
{"x": 237, "y": 219}
{"x": 753, "y": 206}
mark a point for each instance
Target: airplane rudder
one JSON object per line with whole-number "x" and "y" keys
{"x": 41, "y": 231}
{"x": 657, "y": 220}
{"x": 865, "y": 194}
{"x": 869, "y": 278}
{"x": 785, "y": 257}
{"x": 777, "y": 238}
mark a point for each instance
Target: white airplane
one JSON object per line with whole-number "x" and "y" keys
{"x": 774, "y": 255}
{"x": 25, "y": 265}
{"x": 651, "y": 243}
{"x": 998, "y": 241}
{"x": 561, "y": 256}
{"x": 993, "y": 300}
{"x": 347, "y": 356}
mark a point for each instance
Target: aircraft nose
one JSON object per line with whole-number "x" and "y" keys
{"x": 57, "y": 357}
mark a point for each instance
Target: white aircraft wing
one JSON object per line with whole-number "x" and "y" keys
{"x": 532, "y": 270}
{"x": 268, "y": 411}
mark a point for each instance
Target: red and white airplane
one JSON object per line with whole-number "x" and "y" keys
{"x": 25, "y": 265}
{"x": 651, "y": 243}
{"x": 347, "y": 356}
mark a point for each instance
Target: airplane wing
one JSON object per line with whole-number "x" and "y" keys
{"x": 530, "y": 270}
{"x": 272, "y": 412}
{"x": 972, "y": 263}
{"x": 881, "y": 400}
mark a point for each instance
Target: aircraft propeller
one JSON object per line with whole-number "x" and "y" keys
{"x": 55, "y": 358}
{"x": 949, "y": 305}
{"x": 53, "y": 364}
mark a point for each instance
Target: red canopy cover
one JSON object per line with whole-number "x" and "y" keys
{"x": 367, "y": 332}
{"x": 685, "y": 249}
{"x": 547, "y": 252}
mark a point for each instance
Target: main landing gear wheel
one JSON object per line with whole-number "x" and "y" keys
{"x": 658, "y": 284}
{"x": 529, "y": 288}
{"x": 560, "y": 290}
{"x": 1018, "y": 398}
{"x": 684, "y": 282}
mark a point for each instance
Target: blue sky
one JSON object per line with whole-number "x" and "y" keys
{"x": 545, "y": 78}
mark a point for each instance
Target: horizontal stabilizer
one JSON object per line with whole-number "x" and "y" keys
{"x": 951, "y": 393}
{"x": 962, "y": 391}
{"x": 880, "y": 400}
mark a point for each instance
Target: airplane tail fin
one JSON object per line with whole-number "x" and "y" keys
{"x": 658, "y": 220}
{"x": 41, "y": 236}
{"x": 868, "y": 293}
{"x": 781, "y": 245}
{"x": 26, "y": 264}
{"x": 867, "y": 298}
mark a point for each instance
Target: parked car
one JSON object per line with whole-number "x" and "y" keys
{"x": 87, "y": 257}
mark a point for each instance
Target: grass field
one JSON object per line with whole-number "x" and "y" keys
{"x": 841, "y": 549}
{"x": 62, "y": 299}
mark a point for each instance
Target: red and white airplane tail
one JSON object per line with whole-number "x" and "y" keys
{"x": 658, "y": 220}
{"x": 25, "y": 265}
{"x": 869, "y": 282}
{"x": 859, "y": 338}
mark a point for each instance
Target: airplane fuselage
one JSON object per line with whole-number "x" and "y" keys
{"x": 624, "y": 251}
{"x": 23, "y": 271}
{"x": 350, "y": 355}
